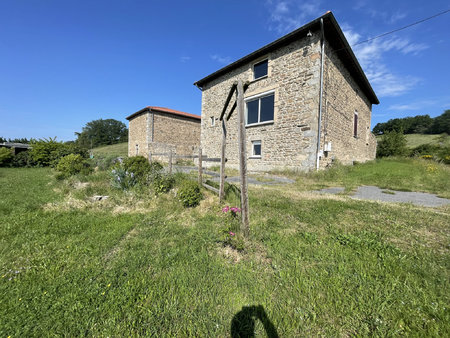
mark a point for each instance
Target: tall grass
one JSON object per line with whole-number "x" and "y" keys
{"x": 314, "y": 266}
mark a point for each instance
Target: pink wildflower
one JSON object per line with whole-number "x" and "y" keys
{"x": 235, "y": 209}
{"x": 232, "y": 233}
{"x": 226, "y": 209}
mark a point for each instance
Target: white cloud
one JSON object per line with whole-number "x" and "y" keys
{"x": 221, "y": 59}
{"x": 422, "y": 104}
{"x": 371, "y": 56}
{"x": 287, "y": 15}
{"x": 185, "y": 58}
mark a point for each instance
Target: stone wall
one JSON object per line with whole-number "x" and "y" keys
{"x": 159, "y": 132}
{"x": 181, "y": 132}
{"x": 291, "y": 140}
{"x": 138, "y": 135}
{"x": 342, "y": 97}
{"x": 288, "y": 142}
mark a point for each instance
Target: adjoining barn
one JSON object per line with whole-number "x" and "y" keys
{"x": 158, "y": 130}
{"x": 308, "y": 102}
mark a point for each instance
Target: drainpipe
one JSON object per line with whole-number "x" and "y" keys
{"x": 322, "y": 58}
{"x": 153, "y": 125}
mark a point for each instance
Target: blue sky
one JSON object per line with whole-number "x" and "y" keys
{"x": 65, "y": 63}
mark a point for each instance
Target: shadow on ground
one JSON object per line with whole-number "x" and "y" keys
{"x": 243, "y": 323}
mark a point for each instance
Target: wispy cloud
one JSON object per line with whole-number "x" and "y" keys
{"x": 184, "y": 59}
{"x": 371, "y": 56}
{"x": 287, "y": 15}
{"x": 221, "y": 59}
{"x": 422, "y": 104}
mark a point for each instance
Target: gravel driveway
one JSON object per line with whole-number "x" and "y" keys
{"x": 385, "y": 195}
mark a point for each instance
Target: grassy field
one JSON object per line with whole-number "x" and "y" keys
{"x": 118, "y": 150}
{"x": 140, "y": 265}
{"x": 415, "y": 140}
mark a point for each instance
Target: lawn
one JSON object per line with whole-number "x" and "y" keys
{"x": 141, "y": 265}
{"x": 117, "y": 150}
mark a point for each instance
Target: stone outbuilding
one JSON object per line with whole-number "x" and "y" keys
{"x": 158, "y": 130}
{"x": 308, "y": 102}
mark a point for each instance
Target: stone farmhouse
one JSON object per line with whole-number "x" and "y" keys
{"x": 308, "y": 102}
{"x": 158, "y": 130}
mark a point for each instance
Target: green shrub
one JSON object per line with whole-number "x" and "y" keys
{"x": 392, "y": 144}
{"x": 22, "y": 159}
{"x": 122, "y": 179}
{"x": 48, "y": 152}
{"x": 189, "y": 194}
{"x": 139, "y": 166}
{"x": 163, "y": 183}
{"x": 73, "y": 164}
{"x": 5, "y": 156}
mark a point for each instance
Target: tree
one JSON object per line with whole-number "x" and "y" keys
{"x": 102, "y": 132}
{"x": 393, "y": 143}
{"x": 441, "y": 124}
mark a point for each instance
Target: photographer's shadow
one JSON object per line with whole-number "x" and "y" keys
{"x": 243, "y": 323}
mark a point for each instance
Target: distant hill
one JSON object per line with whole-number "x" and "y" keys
{"x": 119, "y": 150}
{"x": 415, "y": 140}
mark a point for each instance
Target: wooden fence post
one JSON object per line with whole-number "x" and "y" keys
{"x": 222, "y": 161}
{"x": 200, "y": 179}
{"x": 170, "y": 162}
{"x": 150, "y": 156}
{"x": 242, "y": 159}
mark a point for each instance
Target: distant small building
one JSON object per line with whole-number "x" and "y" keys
{"x": 15, "y": 147}
{"x": 158, "y": 130}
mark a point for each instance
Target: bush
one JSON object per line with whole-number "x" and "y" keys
{"x": 22, "y": 159}
{"x": 122, "y": 179}
{"x": 189, "y": 194}
{"x": 105, "y": 163}
{"x": 48, "y": 152}
{"x": 392, "y": 144}
{"x": 5, "y": 156}
{"x": 73, "y": 164}
{"x": 163, "y": 183}
{"x": 139, "y": 167}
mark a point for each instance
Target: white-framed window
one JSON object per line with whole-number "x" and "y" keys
{"x": 260, "y": 69}
{"x": 213, "y": 121}
{"x": 260, "y": 109}
{"x": 256, "y": 149}
{"x": 355, "y": 124}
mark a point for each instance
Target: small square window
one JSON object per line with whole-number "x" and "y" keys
{"x": 260, "y": 69}
{"x": 256, "y": 148}
{"x": 213, "y": 121}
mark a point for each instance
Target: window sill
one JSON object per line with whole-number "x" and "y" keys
{"x": 259, "y": 78}
{"x": 258, "y": 124}
{"x": 255, "y": 157}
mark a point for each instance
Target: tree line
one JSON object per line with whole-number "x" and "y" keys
{"x": 420, "y": 124}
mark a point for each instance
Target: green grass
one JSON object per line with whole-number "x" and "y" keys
{"x": 138, "y": 265}
{"x": 415, "y": 140}
{"x": 404, "y": 174}
{"x": 117, "y": 150}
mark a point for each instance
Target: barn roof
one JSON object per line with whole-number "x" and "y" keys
{"x": 164, "y": 110}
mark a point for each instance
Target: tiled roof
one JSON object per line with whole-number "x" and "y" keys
{"x": 164, "y": 110}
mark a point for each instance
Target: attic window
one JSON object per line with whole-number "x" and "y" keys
{"x": 260, "y": 69}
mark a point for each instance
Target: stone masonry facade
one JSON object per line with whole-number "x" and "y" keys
{"x": 156, "y": 130}
{"x": 290, "y": 141}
